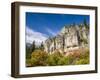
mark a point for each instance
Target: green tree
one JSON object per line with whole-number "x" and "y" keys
{"x": 42, "y": 46}
{"x": 85, "y": 22}
{"x": 28, "y": 52}
{"x": 33, "y": 46}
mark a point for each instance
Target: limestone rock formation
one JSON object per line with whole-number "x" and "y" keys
{"x": 69, "y": 38}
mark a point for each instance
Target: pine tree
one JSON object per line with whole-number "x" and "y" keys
{"x": 85, "y": 22}
{"x": 33, "y": 46}
{"x": 42, "y": 46}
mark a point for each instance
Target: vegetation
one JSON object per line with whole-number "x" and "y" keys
{"x": 41, "y": 58}
{"x": 85, "y": 24}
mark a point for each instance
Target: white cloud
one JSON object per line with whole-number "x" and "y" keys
{"x": 32, "y": 35}
{"x": 50, "y": 31}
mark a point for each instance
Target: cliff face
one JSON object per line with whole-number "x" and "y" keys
{"x": 69, "y": 38}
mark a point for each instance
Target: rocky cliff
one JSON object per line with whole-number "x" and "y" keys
{"x": 70, "y": 37}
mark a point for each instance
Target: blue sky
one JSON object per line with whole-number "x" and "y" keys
{"x": 48, "y": 24}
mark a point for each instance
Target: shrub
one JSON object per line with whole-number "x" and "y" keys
{"x": 59, "y": 59}
{"x": 41, "y": 58}
{"x": 28, "y": 62}
{"x": 65, "y": 61}
{"x": 82, "y": 61}
{"x": 53, "y": 58}
{"x": 38, "y": 58}
{"x": 83, "y": 58}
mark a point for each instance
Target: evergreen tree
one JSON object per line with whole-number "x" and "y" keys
{"x": 85, "y": 22}
{"x": 28, "y": 52}
{"x": 42, "y": 46}
{"x": 33, "y": 46}
{"x": 63, "y": 43}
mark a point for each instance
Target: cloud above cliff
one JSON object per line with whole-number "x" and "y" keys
{"x": 32, "y": 35}
{"x": 51, "y": 32}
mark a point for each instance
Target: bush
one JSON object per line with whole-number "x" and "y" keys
{"x": 41, "y": 58}
{"x": 57, "y": 58}
{"x": 28, "y": 62}
{"x": 38, "y": 58}
{"x": 53, "y": 58}
{"x": 83, "y": 58}
{"x": 82, "y": 61}
{"x": 64, "y": 61}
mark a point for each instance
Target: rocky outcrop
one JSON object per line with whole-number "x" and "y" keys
{"x": 69, "y": 38}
